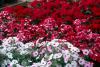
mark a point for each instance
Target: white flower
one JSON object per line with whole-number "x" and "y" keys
{"x": 30, "y": 44}
{"x": 55, "y": 44}
{"x": 34, "y": 65}
{"x": 43, "y": 51}
{"x": 85, "y": 51}
{"x": 14, "y": 61}
{"x": 75, "y": 56}
{"x": 74, "y": 49}
{"x": 57, "y": 55}
{"x": 16, "y": 39}
{"x": 43, "y": 62}
{"x": 19, "y": 43}
{"x": 5, "y": 44}
{"x": 3, "y": 51}
{"x": 66, "y": 53}
{"x": 48, "y": 64}
{"x": 9, "y": 55}
{"x": 50, "y": 57}
{"x": 18, "y": 65}
{"x": 81, "y": 61}
{"x": 4, "y": 40}
{"x": 37, "y": 42}
{"x": 9, "y": 49}
{"x": 66, "y": 59}
{"x": 12, "y": 40}
{"x": 69, "y": 44}
{"x": 49, "y": 48}
{"x": 5, "y": 62}
{"x": 54, "y": 40}
{"x": 68, "y": 65}
{"x": 35, "y": 53}
{"x": 23, "y": 52}
{"x": 42, "y": 44}
{"x": 74, "y": 64}
{"x": 26, "y": 46}
{"x": 88, "y": 64}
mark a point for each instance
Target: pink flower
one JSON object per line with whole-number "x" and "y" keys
{"x": 35, "y": 54}
{"x": 88, "y": 64}
{"x": 85, "y": 51}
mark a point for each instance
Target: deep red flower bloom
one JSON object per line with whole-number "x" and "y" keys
{"x": 95, "y": 52}
{"x": 9, "y": 9}
{"x": 96, "y": 11}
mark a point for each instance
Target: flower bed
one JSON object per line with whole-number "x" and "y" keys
{"x": 55, "y": 53}
{"x": 77, "y": 22}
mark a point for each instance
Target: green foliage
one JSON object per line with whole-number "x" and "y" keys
{"x": 36, "y": 21}
{"x": 2, "y": 58}
{"x": 58, "y": 62}
{"x": 87, "y": 58}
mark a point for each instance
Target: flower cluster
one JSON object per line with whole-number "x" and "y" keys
{"x": 53, "y": 53}
{"x": 76, "y": 21}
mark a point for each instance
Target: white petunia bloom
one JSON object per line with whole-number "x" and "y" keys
{"x": 68, "y": 65}
{"x": 9, "y": 55}
{"x": 35, "y": 53}
{"x": 9, "y": 48}
{"x": 43, "y": 62}
{"x": 5, "y": 44}
{"x": 66, "y": 53}
{"x": 69, "y": 44}
{"x": 14, "y": 61}
{"x": 23, "y": 52}
{"x": 4, "y": 40}
{"x": 88, "y": 64}
{"x": 30, "y": 44}
{"x": 75, "y": 56}
{"x": 55, "y": 44}
{"x": 49, "y": 48}
{"x": 74, "y": 49}
{"x": 54, "y": 40}
{"x": 19, "y": 43}
{"x": 26, "y": 46}
{"x": 57, "y": 55}
{"x": 12, "y": 40}
{"x": 81, "y": 61}
{"x": 48, "y": 64}
{"x": 50, "y": 57}
{"x": 66, "y": 59}
{"x": 16, "y": 39}
{"x": 3, "y": 51}
{"x": 74, "y": 64}
{"x": 34, "y": 65}
{"x": 18, "y": 65}
{"x": 41, "y": 44}
{"x": 43, "y": 51}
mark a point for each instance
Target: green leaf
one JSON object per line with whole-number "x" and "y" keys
{"x": 25, "y": 62}
{"x": 36, "y": 21}
{"x": 14, "y": 65}
{"x": 2, "y": 58}
{"x": 1, "y": 47}
{"x": 87, "y": 58}
{"x": 88, "y": 12}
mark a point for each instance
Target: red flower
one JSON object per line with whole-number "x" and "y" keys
{"x": 9, "y": 9}
{"x": 96, "y": 11}
{"x": 95, "y": 52}
{"x": 96, "y": 26}
{"x": 18, "y": 7}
